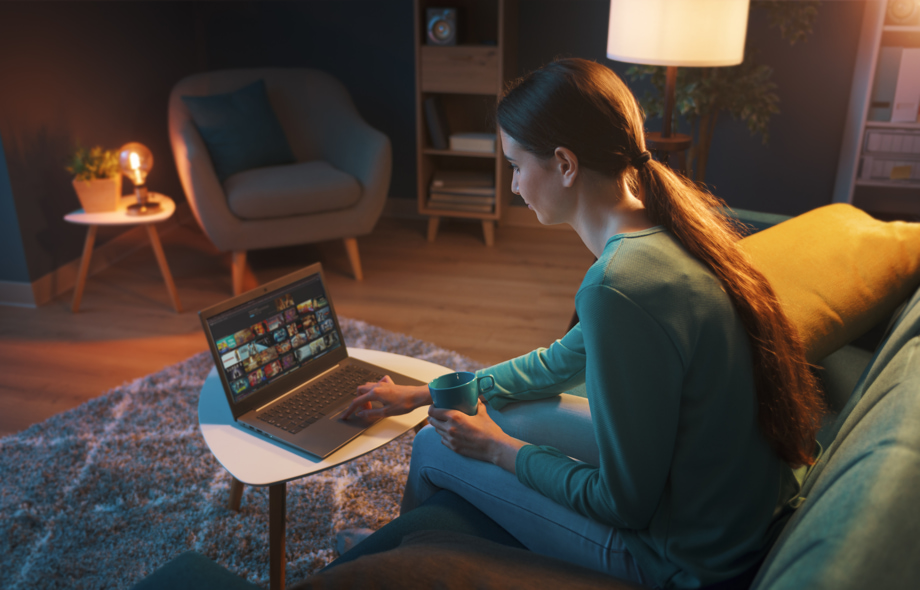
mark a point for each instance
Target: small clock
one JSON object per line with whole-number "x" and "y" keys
{"x": 442, "y": 26}
{"x": 903, "y": 12}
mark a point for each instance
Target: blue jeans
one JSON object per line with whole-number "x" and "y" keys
{"x": 540, "y": 524}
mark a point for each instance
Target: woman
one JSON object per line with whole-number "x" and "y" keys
{"x": 699, "y": 396}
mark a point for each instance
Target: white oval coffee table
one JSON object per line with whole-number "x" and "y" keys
{"x": 256, "y": 460}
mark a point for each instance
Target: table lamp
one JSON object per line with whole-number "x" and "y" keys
{"x": 672, "y": 33}
{"x": 136, "y": 161}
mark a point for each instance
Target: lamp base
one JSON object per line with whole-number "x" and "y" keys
{"x": 148, "y": 208}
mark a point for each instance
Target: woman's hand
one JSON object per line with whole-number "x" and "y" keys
{"x": 395, "y": 399}
{"x": 477, "y": 437}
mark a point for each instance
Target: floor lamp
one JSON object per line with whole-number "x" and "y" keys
{"x": 673, "y": 33}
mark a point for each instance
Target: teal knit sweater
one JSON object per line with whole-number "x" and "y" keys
{"x": 685, "y": 474}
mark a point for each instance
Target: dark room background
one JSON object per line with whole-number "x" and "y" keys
{"x": 99, "y": 73}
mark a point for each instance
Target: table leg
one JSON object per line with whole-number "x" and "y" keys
{"x": 236, "y": 494}
{"x": 488, "y": 232}
{"x": 433, "y": 223}
{"x": 84, "y": 267}
{"x": 164, "y": 268}
{"x": 276, "y": 516}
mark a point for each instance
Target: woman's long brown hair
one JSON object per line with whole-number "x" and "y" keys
{"x": 585, "y": 107}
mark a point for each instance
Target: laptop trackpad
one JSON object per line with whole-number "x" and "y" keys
{"x": 335, "y": 413}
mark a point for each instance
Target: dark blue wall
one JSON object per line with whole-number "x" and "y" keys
{"x": 101, "y": 72}
{"x": 367, "y": 44}
{"x": 13, "y": 265}
{"x": 96, "y": 73}
{"x": 795, "y": 171}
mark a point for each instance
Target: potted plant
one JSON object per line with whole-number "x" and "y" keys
{"x": 97, "y": 178}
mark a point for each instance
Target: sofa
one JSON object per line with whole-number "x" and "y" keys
{"x": 849, "y": 284}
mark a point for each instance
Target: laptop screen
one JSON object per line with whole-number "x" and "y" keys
{"x": 274, "y": 335}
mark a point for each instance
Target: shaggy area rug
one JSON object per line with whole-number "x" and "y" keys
{"x": 104, "y": 494}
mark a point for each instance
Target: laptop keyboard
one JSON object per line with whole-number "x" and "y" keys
{"x": 306, "y": 406}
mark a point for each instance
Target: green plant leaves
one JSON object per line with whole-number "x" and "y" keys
{"x": 87, "y": 164}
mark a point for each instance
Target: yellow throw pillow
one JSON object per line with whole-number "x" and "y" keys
{"x": 837, "y": 272}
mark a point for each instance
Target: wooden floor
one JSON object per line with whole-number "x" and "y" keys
{"x": 487, "y": 303}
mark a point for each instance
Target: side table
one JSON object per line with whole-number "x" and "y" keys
{"x": 121, "y": 217}
{"x": 258, "y": 461}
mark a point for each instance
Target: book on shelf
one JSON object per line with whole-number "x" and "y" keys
{"x": 906, "y": 105}
{"x": 465, "y": 207}
{"x": 882, "y": 168}
{"x": 437, "y": 123}
{"x": 902, "y": 142}
{"x": 473, "y": 142}
{"x": 461, "y": 198}
{"x": 463, "y": 181}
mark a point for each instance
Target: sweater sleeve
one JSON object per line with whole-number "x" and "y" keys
{"x": 633, "y": 376}
{"x": 542, "y": 373}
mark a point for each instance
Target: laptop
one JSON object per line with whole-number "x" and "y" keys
{"x": 283, "y": 364}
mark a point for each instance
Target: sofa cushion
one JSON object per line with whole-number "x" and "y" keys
{"x": 295, "y": 189}
{"x": 837, "y": 272}
{"x": 857, "y": 527}
{"x": 451, "y": 560}
{"x": 240, "y": 130}
{"x": 193, "y": 571}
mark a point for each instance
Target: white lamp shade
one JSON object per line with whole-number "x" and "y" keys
{"x": 694, "y": 33}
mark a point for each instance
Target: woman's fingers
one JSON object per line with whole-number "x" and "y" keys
{"x": 361, "y": 402}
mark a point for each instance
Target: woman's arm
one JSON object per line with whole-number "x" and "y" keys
{"x": 543, "y": 373}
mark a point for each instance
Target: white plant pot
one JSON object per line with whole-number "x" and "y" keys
{"x": 99, "y": 195}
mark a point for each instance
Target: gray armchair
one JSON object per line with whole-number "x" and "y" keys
{"x": 336, "y": 189}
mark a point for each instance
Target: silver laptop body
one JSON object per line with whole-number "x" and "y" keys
{"x": 283, "y": 364}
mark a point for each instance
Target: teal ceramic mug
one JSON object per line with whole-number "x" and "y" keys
{"x": 459, "y": 391}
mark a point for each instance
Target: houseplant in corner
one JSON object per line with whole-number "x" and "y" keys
{"x": 97, "y": 178}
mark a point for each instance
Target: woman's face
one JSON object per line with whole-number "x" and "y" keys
{"x": 535, "y": 180}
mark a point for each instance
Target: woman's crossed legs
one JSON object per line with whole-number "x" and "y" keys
{"x": 539, "y": 523}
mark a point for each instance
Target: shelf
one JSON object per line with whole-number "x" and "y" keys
{"x": 466, "y": 81}
{"x": 890, "y": 125}
{"x": 435, "y": 152}
{"x": 901, "y": 29}
{"x": 908, "y": 184}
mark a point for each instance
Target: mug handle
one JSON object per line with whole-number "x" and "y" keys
{"x": 491, "y": 384}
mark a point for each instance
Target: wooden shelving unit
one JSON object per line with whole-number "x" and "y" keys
{"x": 874, "y": 195}
{"x": 468, "y": 79}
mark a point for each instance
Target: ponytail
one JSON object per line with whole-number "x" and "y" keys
{"x": 790, "y": 405}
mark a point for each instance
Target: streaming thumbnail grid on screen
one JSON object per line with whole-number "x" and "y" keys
{"x": 285, "y": 334}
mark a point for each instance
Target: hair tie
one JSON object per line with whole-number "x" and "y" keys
{"x": 640, "y": 160}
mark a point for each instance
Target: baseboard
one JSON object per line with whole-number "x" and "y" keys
{"x": 402, "y": 208}
{"x": 18, "y": 294}
{"x": 64, "y": 278}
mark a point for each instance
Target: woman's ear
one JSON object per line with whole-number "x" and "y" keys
{"x": 566, "y": 163}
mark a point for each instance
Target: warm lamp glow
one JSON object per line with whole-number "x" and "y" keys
{"x": 693, "y": 33}
{"x": 135, "y": 161}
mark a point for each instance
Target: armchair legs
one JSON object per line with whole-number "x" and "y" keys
{"x": 351, "y": 246}
{"x": 244, "y": 279}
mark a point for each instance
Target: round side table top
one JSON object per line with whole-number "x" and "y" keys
{"x": 256, "y": 460}
{"x": 121, "y": 217}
